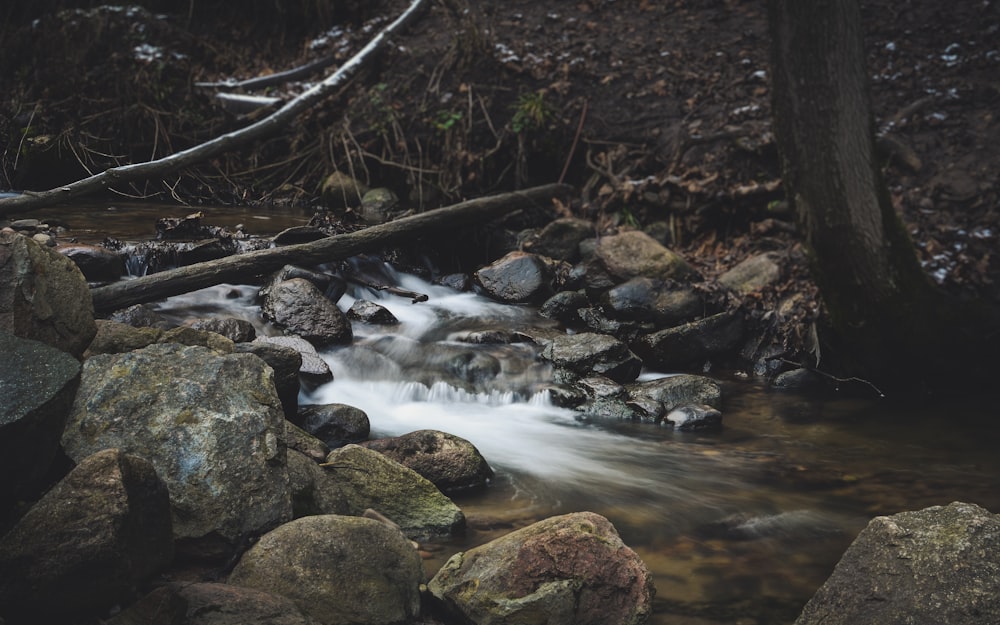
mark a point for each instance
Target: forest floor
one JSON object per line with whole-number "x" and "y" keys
{"x": 658, "y": 112}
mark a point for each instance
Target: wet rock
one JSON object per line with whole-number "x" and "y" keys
{"x": 691, "y": 344}
{"x": 89, "y": 543}
{"x": 457, "y": 281}
{"x": 451, "y": 463}
{"x": 314, "y": 491}
{"x": 678, "y": 390}
{"x": 210, "y": 424}
{"x": 234, "y": 329}
{"x": 647, "y": 299}
{"x": 372, "y": 313}
{"x": 516, "y": 278}
{"x": 586, "y": 353}
{"x": 335, "y": 424}
{"x": 97, "y": 263}
{"x": 338, "y": 570}
{"x": 320, "y": 280}
{"x": 313, "y": 370}
{"x": 301, "y": 309}
{"x": 305, "y": 443}
{"x": 377, "y": 205}
{"x": 203, "y": 251}
{"x": 140, "y": 316}
{"x": 339, "y": 191}
{"x": 430, "y": 363}
{"x": 367, "y": 479}
{"x": 114, "y": 337}
{"x": 185, "y": 603}
{"x": 566, "y": 570}
{"x": 797, "y": 379}
{"x": 38, "y": 384}
{"x": 936, "y": 565}
{"x": 694, "y": 417}
{"x": 753, "y": 274}
{"x": 564, "y": 307}
{"x": 44, "y": 296}
{"x": 297, "y": 234}
{"x": 633, "y": 254}
{"x": 190, "y": 336}
{"x": 286, "y": 362}
{"x": 560, "y": 239}
{"x": 179, "y": 228}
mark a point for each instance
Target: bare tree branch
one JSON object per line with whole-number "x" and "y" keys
{"x": 259, "y": 129}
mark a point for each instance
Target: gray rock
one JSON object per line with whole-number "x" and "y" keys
{"x": 98, "y": 264}
{"x": 517, "y": 278}
{"x": 44, "y": 296}
{"x": 753, "y": 274}
{"x": 286, "y": 362}
{"x": 633, "y": 254}
{"x": 586, "y": 353}
{"x": 301, "y": 309}
{"x": 89, "y": 543}
{"x": 689, "y": 417}
{"x": 691, "y": 344}
{"x": 564, "y": 307}
{"x": 646, "y": 299}
{"x": 334, "y": 424}
{"x": 37, "y": 384}
{"x": 797, "y": 379}
{"x": 210, "y": 424}
{"x": 678, "y": 390}
{"x": 450, "y": 462}
{"x": 192, "y": 337}
{"x": 377, "y": 205}
{"x": 560, "y": 239}
{"x": 370, "y": 312}
{"x": 114, "y": 337}
{"x": 319, "y": 279}
{"x": 367, "y": 479}
{"x": 566, "y": 570}
{"x": 339, "y": 570}
{"x": 185, "y": 603}
{"x": 140, "y": 316}
{"x": 313, "y": 370}
{"x": 936, "y": 565}
{"x": 305, "y": 443}
{"x": 235, "y": 329}
{"x": 339, "y": 191}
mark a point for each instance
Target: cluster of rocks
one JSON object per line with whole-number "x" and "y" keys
{"x": 130, "y": 449}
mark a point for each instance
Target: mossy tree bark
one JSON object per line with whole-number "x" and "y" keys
{"x": 886, "y": 319}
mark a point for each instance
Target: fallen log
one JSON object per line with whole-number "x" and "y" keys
{"x": 263, "y": 127}
{"x": 249, "y": 266}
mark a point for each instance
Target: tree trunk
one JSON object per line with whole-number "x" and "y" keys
{"x": 247, "y": 266}
{"x": 885, "y": 316}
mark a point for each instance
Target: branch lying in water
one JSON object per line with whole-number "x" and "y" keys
{"x": 219, "y": 145}
{"x": 249, "y": 266}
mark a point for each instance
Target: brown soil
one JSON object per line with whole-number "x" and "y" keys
{"x": 658, "y": 112}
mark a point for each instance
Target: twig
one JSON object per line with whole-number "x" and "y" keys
{"x": 576, "y": 139}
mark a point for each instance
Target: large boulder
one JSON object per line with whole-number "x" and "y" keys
{"x": 450, "y": 462}
{"x": 211, "y": 424}
{"x": 337, "y": 569}
{"x": 286, "y": 361}
{"x": 339, "y": 191}
{"x": 633, "y": 254}
{"x": 301, "y": 309}
{"x": 367, "y": 479}
{"x": 184, "y": 603}
{"x": 673, "y": 391}
{"x": 937, "y": 565}
{"x": 517, "y": 278}
{"x": 44, "y": 296}
{"x": 566, "y": 570}
{"x": 115, "y": 337}
{"x": 313, "y": 370}
{"x": 37, "y": 384}
{"x": 89, "y": 543}
{"x": 588, "y": 352}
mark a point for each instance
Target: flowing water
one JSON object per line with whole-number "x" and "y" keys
{"x": 740, "y": 526}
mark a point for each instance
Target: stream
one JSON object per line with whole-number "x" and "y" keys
{"x": 740, "y": 526}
